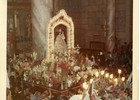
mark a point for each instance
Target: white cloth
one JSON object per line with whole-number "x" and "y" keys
{"x": 86, "y": 97}
{"x": 76, "y": 97}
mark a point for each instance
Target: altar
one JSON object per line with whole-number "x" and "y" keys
{"x": 65, "y": 72}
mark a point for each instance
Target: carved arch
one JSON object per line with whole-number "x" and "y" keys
{"x": 64, "y": 19}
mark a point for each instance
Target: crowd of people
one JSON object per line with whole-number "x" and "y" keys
{"x": 121, "y": 58}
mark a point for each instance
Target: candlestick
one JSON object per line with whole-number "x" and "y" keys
{"x": 106, "y": 76}
{"x": 123, "y": 79}
{"x": 111, "y": 77}
{"x": 116, "y": 81}
{"x": 119, "y": 71}
{"x": 102, "y": 73}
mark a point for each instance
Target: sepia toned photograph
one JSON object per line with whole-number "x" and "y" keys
{"x": 69, "y": 50}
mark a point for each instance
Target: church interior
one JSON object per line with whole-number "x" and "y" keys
{"x": 69, "y": 49}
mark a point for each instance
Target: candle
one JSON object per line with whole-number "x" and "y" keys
{"x": 102, "y": 72}
{"x": 107, "y": 75}
{"x": 97, "y": 74}
{"x": 111, "y": 76}
{"x": 119, "y": 71}
{"x": 116, "y": 81}
{"x": 123, "y": 79}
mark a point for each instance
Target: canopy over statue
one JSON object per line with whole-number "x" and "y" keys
{"x": 60, "y": 43}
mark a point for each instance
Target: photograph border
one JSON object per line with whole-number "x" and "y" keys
{"x": 3, "y": 40}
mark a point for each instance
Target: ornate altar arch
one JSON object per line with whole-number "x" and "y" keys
{"x": 60, "y": 19}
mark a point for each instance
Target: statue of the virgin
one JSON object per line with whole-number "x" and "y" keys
{"x": 60, "y": 45}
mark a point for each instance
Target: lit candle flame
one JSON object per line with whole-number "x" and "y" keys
{"x": 123, "y": 79}
{"x": 111, "y": 76}
{"x": 119, "y": 71}
{"x": 107, "y": 75}
{"x": 102, "y": 72}
{"x": 97, "y": 74}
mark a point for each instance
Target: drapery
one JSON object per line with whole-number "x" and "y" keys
{"x": 41, "y": 15}
{"x": 110, "y": 36}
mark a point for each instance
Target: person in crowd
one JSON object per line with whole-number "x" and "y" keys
{"x": 101, "y": 59}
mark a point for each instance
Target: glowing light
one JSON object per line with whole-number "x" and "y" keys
{"x": 111, "y": 76}
{"x": 119, "y": 71}
{"x": 97, "y": 74}
{"x": 107, "y": 75}
{"x": 123, "y": 79}
{"x": 116, "y": 81}
{"x": 85, "y": 85}
{"x": 102, "y": 72}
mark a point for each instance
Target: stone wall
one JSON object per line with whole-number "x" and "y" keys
{"x": 89, "y": 19}
{"x": 124, "y": 20}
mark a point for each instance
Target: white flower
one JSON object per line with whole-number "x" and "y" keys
{"x": 72, "y": 63}
{"x": 44, "y": 68}
{"x": 83, "y": 73}
{"x": 89, "y": 68}
{"x": 76, "y": 68}
{"x": 39, "y": 69}
{"x": 91, "y": 73}
{"x": 78, "y": 77}
{"x": 45, "y": 75}
{"x": 85, "y": 76}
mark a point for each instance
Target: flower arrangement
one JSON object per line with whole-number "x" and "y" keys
{"x": 67, "y": 70}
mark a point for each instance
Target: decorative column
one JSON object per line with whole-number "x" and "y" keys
{"x": 41, "y": 14}
{"x": 110, "y": 36}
